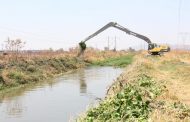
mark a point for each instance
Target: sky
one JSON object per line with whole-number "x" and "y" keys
{"x": 44, "y": 24}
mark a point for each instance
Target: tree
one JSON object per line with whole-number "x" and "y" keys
{"x": 14, "y": 46}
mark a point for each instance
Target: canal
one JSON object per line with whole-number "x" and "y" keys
{"x": 60, "y": 100}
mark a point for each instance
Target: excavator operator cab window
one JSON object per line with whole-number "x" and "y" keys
{"x": 155, "y": 45}
{"x": 150, "y": 46}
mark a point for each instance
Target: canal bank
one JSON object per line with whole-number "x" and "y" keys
{"x": 17, "y": 73}
{"x": 151, "y": 89}
{"x": 128, "y": 98}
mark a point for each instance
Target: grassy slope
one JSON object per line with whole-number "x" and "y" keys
{"x": 121, "y": 61}
{"x": 174, "y": 70}
{"x": 147, "y": 91}
{"x": 17, "y": 73}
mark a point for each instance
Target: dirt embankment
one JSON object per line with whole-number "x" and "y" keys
{"x": 23, "y": 71}
{"x": 153, "y": 88}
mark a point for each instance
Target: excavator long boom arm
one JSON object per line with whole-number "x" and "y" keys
{"x": 115, "y": 25}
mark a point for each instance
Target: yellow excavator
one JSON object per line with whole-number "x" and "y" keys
{"x": 153, "y": 48}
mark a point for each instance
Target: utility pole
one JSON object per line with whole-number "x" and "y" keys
{"x": 2, "y": 46}
{"x": 108, "y": 43}
{"x": 184, "y": 37}
{"x": 115, "y": 44}
{"x": 141, "y": 45}
{"x": 179, "y": 22}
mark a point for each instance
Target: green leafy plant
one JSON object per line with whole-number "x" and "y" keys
{"x": 130, "y": 104}
{"x": 119, "y": 61}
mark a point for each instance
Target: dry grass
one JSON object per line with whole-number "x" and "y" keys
{"x": 172, "y": 70}
{"x": 90, "y": 54}
{"x": 175, "y": 69}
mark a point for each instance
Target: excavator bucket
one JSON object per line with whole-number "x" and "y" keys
{"x": 82, "y": 47}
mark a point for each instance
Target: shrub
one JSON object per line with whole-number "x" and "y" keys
{"x": 31, "y": 68}
{"x": 1, "y": 79}
{"x": 18, "y": 77}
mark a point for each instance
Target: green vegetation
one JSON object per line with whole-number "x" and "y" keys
{"x": 132, "y": 103}
{"x": 121, "y": 61}
{"x": 182, "y": 110}
{"x": 20, "y": 72}
{"x": 151, "y": 89}
{"x": 146, "y": 91}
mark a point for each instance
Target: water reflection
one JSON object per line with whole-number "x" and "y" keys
{"x": 13, "y": 102}
{"x": 83, "y": 85}
{"x": 8, "y": 96}
{"x": 15, "y": 108}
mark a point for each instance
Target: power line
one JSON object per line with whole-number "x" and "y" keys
{"x": 41, "y": 37}
{"x": 184, "y": 37}
{"x": 179, "y": 15}
{"x": 179, "y": 22}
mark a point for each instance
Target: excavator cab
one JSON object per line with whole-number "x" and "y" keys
{"x": 151, "y": 46}
{"x": 154, "y": 49}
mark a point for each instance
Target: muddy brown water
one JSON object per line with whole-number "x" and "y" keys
{"x": 61, "y": 100}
